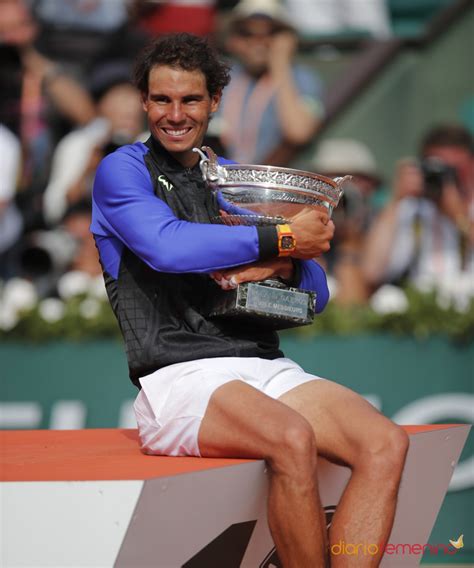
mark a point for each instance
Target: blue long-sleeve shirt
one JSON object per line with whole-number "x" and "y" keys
{"x": 126, "y": 212}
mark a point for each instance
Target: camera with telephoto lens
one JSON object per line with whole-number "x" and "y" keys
{"x": 436, "y": 174}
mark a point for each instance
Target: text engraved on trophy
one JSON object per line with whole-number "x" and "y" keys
{"x": 277, "y": 301}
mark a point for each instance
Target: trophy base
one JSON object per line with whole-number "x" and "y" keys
{"x": 264, "y": 303}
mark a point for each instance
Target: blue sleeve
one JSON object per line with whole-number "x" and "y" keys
{"x": 127, "y": 209}
{"x": 313, "y": 278}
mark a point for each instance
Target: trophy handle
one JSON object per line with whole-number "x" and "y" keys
{"x": 340, "y": 181}
{"x": 212, "y": 172}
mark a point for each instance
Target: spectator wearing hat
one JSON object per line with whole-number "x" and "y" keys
{"x": 339, "y": 157}
{"x": 273, "y": 105}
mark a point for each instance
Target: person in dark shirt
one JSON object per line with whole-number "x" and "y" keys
{"x": 212, "y": 387}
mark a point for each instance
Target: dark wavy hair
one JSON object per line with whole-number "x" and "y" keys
{"x": 182, "y": 51}
{"x": 448, "y": 135}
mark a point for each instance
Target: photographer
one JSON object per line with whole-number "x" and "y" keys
{"x": 424, "y": 235}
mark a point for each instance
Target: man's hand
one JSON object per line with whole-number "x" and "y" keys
{"x": 313, "y": 231}
{"x": 278, "y": 267}
{"x": 282, "y": 50}
{"x": 408, "y": 180}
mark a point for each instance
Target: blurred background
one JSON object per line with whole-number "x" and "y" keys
{"x": 380, "y": 89}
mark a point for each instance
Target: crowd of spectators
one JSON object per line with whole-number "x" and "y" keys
{"x": 67, "y": 101}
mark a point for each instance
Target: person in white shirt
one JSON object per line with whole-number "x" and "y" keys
{"x": 11, "y": 223}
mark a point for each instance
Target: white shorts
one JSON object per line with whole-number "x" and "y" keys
{"x": 173, "y": 400}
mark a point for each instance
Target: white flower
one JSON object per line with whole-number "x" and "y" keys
{"x": 97, "y": 288}
{"x": 425, "y": 283}
{"x": 456, "y": 292}
{"x": 73, "y": 284}
{"x": 89, "y": 308}
{"x": 19, "y": 294}
{"x": 8, "y": 317}
{"x": 51, "y": 309}
{"x": 333, "y": 286}
{"x": 462, "y": 304}
{"x": 389, "y": 299}
{"x": 443, "y": 300}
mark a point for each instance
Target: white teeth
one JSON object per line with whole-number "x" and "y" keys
{"x": 175, "y": 132}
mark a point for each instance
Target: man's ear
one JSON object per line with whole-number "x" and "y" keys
{"x": 144, "y": 97}
{"x": 215, "y": 101}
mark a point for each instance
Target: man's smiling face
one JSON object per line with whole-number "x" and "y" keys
{"x": 178, "y": 106}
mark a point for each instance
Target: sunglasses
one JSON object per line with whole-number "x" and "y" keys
{"x": 244, "y": 32}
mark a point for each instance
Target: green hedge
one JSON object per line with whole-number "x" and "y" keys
{"x": 422, "y": 316}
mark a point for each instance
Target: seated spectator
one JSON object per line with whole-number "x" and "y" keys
{"x": 272, "y": 106}
{"x": 83, "y": 34}
{"x": 73, "y": 168}
{"x": 353, "y": 216}
{"x": 100, "y": 15}
{"x": 425, "y": 235}
{"x": 34, "y": 90}
{"x": 120, "y": 121}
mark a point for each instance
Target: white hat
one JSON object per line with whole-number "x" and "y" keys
{"x": 345, "y": 156}
{"x": 271, "y": 9}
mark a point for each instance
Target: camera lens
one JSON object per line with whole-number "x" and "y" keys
{"x": 436, "y": 174}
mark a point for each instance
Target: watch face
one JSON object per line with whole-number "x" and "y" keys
{"x": 287, "y": 242}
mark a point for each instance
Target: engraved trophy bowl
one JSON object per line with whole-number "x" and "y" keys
{"x": 266, "y": 195}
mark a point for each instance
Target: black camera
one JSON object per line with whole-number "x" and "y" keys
{"x": 46, "y": 253}
{"x": 436, "y": 174}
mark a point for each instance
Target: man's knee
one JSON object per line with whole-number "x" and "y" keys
{"x": 387, "y": 451}
{"x": 294, "y": 448}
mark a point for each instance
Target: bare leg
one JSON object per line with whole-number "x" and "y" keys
{"x": 351, "y": 431}
{"x": 242, "y": 422}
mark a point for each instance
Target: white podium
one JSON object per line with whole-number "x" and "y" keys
{"x": 89, "y": 498}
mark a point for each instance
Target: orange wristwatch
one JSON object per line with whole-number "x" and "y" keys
{"x": 286, "y": 240}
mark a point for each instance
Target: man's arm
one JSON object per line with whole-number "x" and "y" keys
{"x": 298, "y": 119}
{"x": 313, "y": 231}
{"x": 378, "y": 245}
{"x": 70, "y": 98}
{"x": 126, "y": 208}
{"x": 305, "y": 274}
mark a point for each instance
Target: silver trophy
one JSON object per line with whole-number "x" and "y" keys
{"x": 266, "y": 195}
